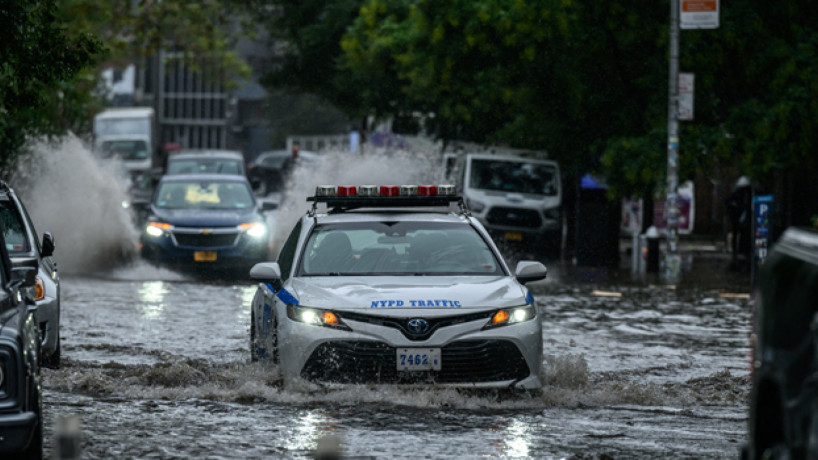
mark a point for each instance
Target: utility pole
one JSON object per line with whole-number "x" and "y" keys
{"x": 672, "y": 259}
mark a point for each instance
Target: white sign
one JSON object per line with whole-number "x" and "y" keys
{"x": 685, "y": 107}
{"x": 699, "y": 14}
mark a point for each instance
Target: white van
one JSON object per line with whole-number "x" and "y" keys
{"x": 517, "y": 198}
{"x": 127, "y": 134}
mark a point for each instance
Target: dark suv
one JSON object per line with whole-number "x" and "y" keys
{"x": 26, "y": 250}
{"x": 784, "y": 398}
{"x": 21, "y": 421}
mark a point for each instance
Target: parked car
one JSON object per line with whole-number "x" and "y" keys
{"x": 783, "y": 420}
{"x": 205, "y": 222}
{"x": 206, "y": 162}
{"x": 26, "y": 250}
{"x": 21, "y": 402}
{"x": 396, "y": 289}
{"x": 268, "y": 172}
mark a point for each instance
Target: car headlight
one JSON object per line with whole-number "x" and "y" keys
{"x": 39, "y": 289}
{"x": 254, "y": 229}
{"x": 476, "y": 206}
{"x": 553, "y": 213}
{"x": 316, "y": 317}
{"x": 512, "y": 315}
{"x": 157, "y": 229}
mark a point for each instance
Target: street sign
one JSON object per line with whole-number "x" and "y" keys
{"x": 699, "y": 14}
{"x": 686, "y": 92}
{"x": 762, "y": 231}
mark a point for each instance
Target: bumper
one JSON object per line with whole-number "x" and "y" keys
{"x": 49, "y": 314}
{"x": 503, "y": 357}
{"x": 17, "y": 431}
{"x": 243, "y": 255}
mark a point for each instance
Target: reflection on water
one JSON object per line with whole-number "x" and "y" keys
{"x": 152, "y": 295}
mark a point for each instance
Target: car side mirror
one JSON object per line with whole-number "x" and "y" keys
{"x": 48, "y": 245}
{"x": 530, "y": 270}
{"x": 269, "y": 272}
{"x": 269, "y": 205}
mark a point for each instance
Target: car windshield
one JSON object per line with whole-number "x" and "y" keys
{"x": 119, "y": 126}
{"x": 125, "y": 149}
{"x": 13, "y": 230}
{"x": 204, "y": 166}
{"x": 397, "y": 248}
{"x": 513, "y": 176}
{"x": 204, "y": 194}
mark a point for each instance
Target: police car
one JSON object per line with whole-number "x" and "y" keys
{"x": 396, "y": 284}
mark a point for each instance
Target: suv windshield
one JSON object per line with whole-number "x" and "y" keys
{"x": 204, "y": 166}
{"x": 513, "y": 176}
{"x": 397, "y": 248}
{"x": 13, "y": 229}
{"x": 204, "y": 194}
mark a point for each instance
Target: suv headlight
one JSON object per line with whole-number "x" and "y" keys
{"x": 553, "y": 213}
{"x": 512, "y": 315}
{"x": 316, "y": 317}
{"x": 157, "y": 229}
{"x": 254, "y": 229}
{"x": 476, "y": 206}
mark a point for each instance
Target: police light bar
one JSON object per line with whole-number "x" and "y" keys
{"x": 352, "y": 196}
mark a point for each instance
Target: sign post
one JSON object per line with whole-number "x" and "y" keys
{"x": 762, "y": 231}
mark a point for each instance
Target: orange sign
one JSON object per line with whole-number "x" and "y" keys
{"x": 700, "y": 6}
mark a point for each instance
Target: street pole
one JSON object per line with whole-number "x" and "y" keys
{"x": 672, "y": 259}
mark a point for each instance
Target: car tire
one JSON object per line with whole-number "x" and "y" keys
{"x": 253, "y": 342}
{"x": 271, "y": 341}
{"x": 34, "y": 450}
{"x": 53, "y": 361}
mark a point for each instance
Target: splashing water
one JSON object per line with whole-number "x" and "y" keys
{"x": 376, "y": 167}
{"x": 69, "y": 193}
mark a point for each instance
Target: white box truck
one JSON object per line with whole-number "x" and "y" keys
{"x": 127, "y": 134}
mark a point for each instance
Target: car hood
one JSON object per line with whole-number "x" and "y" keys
{"x": 399, "y": 293}
{"x": 205, "y": 217}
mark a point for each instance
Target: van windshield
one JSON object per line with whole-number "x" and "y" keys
{"x": 514, "y": 176}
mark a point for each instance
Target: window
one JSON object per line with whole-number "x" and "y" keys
{"x": 397, "y": 248}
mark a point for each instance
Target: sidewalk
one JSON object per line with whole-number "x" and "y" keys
{"x": 705, "y": 265}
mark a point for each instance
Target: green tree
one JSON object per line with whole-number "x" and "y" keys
{"x": 39, "y": 67}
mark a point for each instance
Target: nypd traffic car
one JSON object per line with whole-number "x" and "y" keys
{"x": 396, "y": 284}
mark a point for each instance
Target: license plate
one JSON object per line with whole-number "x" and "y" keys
{"x": 513, "y": 236}
{"x": 205, "y": 256}
{"x": 419, "y": 359}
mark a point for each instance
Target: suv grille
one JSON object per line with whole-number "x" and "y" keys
{"x": 471, "y": 361}
{"x": 200, "y": 240}
{"x": 514, "y": 217}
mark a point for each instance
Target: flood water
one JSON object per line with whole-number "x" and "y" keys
{"x": 157, "y": 365}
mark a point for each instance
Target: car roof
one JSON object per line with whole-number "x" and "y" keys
{"x": 503, "y": 157}
{"x": 186, "y": 154}
{"x": 203, "y": 177}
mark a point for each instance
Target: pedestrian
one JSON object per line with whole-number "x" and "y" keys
{"x": 739, "y": 212}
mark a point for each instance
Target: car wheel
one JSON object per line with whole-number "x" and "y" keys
{"x": 253, "y": 342}
{"x": 270, "y": 341}
{"x": 34, "y": 451}
{"x": 53, "y": 361}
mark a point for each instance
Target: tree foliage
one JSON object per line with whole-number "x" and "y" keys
{"x": 39, "y": 65}
{"x": 587, "y": 81}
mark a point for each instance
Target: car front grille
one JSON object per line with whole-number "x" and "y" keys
{"x": 402, "y": 324}
{"x": 202, "y": 239}
{"x": 472, "y": 361}
{"x": 514, "y": 217}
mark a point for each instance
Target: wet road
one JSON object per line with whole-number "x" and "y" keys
{"x": 157, "y": 365}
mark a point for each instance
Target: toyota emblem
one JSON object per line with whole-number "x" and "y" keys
{"x": 418, "y": 325}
